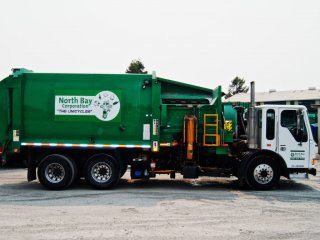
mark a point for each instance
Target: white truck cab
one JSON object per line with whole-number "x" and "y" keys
{"x": 279, "y": 143}
{"x": 285, "y": 130}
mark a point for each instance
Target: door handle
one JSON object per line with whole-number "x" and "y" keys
{"x": 283, "y": 148}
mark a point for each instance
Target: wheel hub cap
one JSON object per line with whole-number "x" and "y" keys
{"x": 263, "y": 173}
{"x": 54, "y": 173}
{"x": 101, "y": 172}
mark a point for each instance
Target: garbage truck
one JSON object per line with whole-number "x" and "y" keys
{"x": 68, "y": 126}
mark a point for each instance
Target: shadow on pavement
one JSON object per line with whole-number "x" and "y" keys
{"x": 150, "y": 193}
{"x": 224, "y": 184}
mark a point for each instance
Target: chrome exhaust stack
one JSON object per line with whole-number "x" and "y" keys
{"x": 252, "y": 129}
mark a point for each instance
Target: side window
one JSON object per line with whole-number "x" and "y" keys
{"x": 270, "y": 129}
{"x": 290, "y": 119}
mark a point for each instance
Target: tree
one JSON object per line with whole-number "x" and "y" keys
{"x": 236, "y": 86}
{"x": 136, "y": 66}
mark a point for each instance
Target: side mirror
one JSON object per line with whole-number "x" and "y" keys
{"x": 299, "y": 115}
{"x": 300, "y": 126}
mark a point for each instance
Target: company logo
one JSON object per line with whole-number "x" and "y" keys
{"x": 105, "y": 105}
{"x": 297, "y": 155}
{"x": 228, "y": 126}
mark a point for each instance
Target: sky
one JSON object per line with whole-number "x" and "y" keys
{"x": 275, "y": 43}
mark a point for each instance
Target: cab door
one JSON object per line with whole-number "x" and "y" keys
{"x": 293, "y": 139}
{"x": 269, "y": 129}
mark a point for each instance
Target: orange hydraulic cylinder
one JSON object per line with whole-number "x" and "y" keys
{"x": 190, "y": 136}
{"x": 190, "y": 128}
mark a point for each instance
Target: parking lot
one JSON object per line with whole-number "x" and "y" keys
{"x": 158, "y": 209}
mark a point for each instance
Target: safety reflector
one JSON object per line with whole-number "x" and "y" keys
{"x": 69, "y": 145}
{"x": 155, "y": 146}
{"x": 174, "y": 144}
{"x": 165, "y": 144}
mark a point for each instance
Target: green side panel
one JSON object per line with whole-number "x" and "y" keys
{"x": 10, "y": 111}
{"x": 155, "y": 135}
{"x": 17, "y": 83}
{"x": 40, "y": 122}
{"x": 172, "y": 91}
{"x": 4, "y": 112}
{"x": 172, "y": 131}
{"x": 230, "y": 125}
{"x": 179, "y": 100}
{"x": 222, "y": 150}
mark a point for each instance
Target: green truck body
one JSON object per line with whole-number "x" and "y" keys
{"x": 147, "y": 109}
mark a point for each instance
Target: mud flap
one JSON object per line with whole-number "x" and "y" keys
{"x": 31, "y": 169}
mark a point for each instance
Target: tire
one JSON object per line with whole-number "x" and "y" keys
{"x": 102, "y": 172}
{"x": 262, "y": 173}
{"x": 56, "y": 172}
{"x": 75, "y": 171}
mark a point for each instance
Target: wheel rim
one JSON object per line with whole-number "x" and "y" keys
{"x": 55, "y": 173}
{"x": 101, "y": 172}
{"x": 263, "y": 173}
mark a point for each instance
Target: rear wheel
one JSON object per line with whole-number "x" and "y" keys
{"x": 263, "y": 173}
{"x": 56, "y": 172}
{"x": 75, "y": 171}
{"x": 102, "y": 172}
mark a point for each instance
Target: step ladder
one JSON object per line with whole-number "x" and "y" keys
{"x": 215, "y": 126}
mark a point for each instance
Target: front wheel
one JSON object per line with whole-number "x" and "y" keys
{"x": 263, "y": 173}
